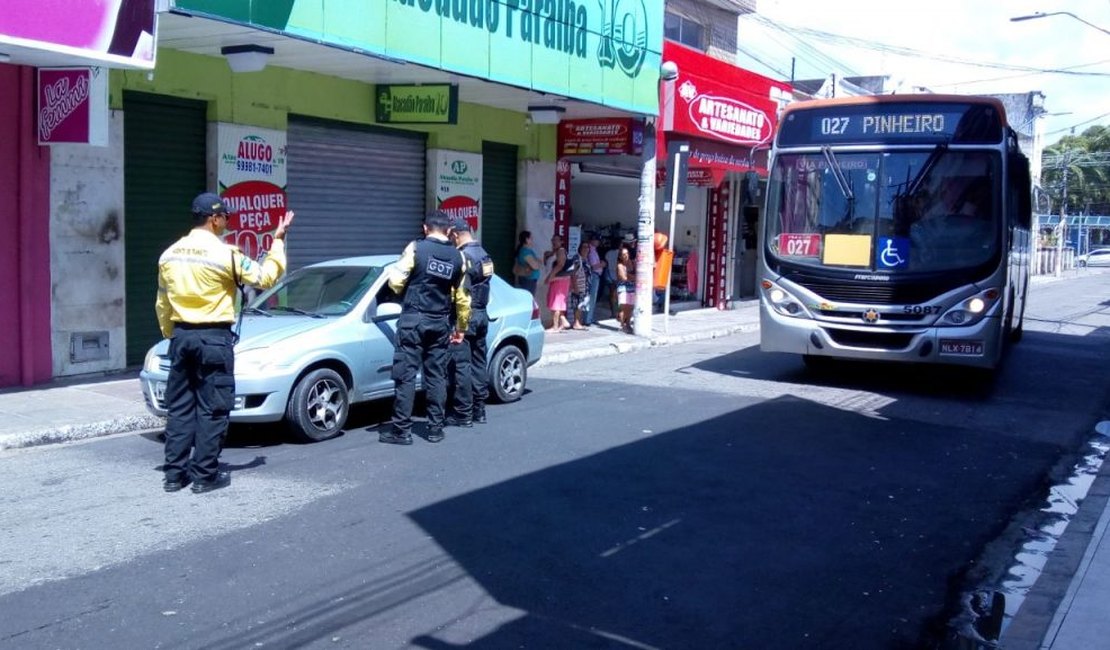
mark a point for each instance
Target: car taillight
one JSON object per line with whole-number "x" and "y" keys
{"x": 535, "y": 310}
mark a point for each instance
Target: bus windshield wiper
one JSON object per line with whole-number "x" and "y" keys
{"x": 830, "y": 158}
{"x": 297, "y": 310}
{"x": 927, "y": 168}
{"x": 258, "y": 310}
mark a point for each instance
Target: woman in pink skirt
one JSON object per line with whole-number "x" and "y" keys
{"x": 558, "y": 286}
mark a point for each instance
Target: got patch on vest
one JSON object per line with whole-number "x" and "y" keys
{"x": 487, "y": 268}
{"x": 440, "y": 269}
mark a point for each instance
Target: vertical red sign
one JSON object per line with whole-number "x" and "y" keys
{"x": 716, "y": 262}
{"x": 562, "y": 198}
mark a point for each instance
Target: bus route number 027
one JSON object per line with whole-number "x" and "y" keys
{"x": 800, "y": 245}
{"x": 834, "y": 125}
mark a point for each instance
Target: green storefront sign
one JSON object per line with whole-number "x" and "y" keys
{"x": 604, "y": 51}
{"x": 428, "y": 104}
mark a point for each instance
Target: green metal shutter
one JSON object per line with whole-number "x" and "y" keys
{"x": 499, "y": 165}
{"x": 164, "y": 168}
{"x": 356, "y": 191}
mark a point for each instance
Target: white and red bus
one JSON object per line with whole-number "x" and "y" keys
{"x": 897, "y": 228}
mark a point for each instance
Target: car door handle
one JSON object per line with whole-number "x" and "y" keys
{"x": 386, "y": 368}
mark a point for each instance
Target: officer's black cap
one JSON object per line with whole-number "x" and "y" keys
{"x": 459, "y": 223}
{"x": 209, "y": 203}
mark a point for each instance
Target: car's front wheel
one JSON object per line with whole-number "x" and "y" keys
{"x": 318, "y": 406}
{"x": 1081, "y": 263}
{"x": 508, "y": 372}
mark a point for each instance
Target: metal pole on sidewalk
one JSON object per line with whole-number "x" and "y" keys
{"x": 645, "y": 231}
{"x": 674, "y": 168}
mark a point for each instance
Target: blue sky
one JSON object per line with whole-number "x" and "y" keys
{"x": 968, "y": 30}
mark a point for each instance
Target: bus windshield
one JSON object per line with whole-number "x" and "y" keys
{"x": 912, "y": 211}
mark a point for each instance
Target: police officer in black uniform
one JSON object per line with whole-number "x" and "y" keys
{"x": 469, "y": 357}
{"x": 431, "y": 278}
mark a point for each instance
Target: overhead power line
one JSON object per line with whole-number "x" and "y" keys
{"x": 853, "y": 41}
{"x": 1075, "y": 126}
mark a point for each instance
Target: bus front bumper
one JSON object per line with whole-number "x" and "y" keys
{"x": 977, "y": 345}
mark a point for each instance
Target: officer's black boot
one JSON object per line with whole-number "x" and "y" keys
{"x": 393, "y": 436}
{"x": 459, "y": 421}
{"x": 435, "y": 434}
{"x": 479, "y": 414}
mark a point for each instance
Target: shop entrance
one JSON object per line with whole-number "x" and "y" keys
{"x": 499, "y": 162}
{"x": 357, "y": 190}
{"x": 164, "y": 168}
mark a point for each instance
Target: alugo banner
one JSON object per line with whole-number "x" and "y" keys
{"x": 431, "y": 104}
{"x": 604, "y": 51}
{"x": 252, "y": 179}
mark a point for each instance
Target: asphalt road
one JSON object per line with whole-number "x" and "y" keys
{"x": 697, "y": 496}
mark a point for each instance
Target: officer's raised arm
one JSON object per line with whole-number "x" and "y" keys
{"x": 267, "y": 272}
{"x": 399, "y": 273}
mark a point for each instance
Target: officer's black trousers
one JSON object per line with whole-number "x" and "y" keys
{"x": 470, "y": 374}
{"x": 200, "y": 393}
{"x": 422, "y": 340}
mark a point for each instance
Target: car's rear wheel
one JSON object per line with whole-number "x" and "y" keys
{"x": 318, "y": 406}
{"x": 1081, "y": 263}
{"x": 508, "y": 373}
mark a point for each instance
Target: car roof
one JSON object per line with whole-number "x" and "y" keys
{"x": 364, "y": 260}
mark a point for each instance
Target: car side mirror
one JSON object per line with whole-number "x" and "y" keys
{"x": 386, "y": 311}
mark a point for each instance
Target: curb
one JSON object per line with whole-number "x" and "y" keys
{"x": 640, "y": 343}
{"x": 74, "y": 432}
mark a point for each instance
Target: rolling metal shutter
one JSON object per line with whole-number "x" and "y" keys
{"x": 356, "y": 191}
{"x": 164, "y": 168}
{"x": 499, "y": 168}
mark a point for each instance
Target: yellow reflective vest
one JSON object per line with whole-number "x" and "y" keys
{"x": 197, "y": 278}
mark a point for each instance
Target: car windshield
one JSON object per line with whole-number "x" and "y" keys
{"x": 902, "y": 212}
{"x": 318, "y": 291}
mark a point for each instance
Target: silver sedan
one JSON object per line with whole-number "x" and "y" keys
{"x": 323, "y": 339}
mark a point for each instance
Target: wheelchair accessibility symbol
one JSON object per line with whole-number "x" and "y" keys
{"x": 894, "y": 252}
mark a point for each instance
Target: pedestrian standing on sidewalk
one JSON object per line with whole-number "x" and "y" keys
{"x": 431, "y": 278}
{"x": 557, "y": 280}
{"x": 197, "y": 279}
{"x": 468, "y": 358}
{"x": 626, "y": 289}
{"x": 526, "y": 266}
{"x": 597, "y": 268}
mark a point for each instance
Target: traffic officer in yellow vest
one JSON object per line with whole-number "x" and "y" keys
{"x": 197, "y": 280}
{"x": 430, "y": 277}
{"x": 469, "y": 357}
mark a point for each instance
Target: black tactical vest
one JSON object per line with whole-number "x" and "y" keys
{"x": 479, "y": 271}
{"x": 437, "y": 268}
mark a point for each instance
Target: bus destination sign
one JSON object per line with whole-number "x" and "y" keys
{"x": 889, "y": 123}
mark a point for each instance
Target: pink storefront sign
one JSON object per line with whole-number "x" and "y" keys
{"x": 72, "y": 106}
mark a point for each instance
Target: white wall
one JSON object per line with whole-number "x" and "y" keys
{"x": 86, "y": 248}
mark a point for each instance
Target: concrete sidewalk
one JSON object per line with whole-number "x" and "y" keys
{"x": 87, "y": 407}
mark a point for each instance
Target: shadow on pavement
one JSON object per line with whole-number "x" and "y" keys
{"x": 787, "y": 524}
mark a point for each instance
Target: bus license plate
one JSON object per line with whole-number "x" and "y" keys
{"x": 967, "y": 348}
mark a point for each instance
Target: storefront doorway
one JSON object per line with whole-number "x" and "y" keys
{"x": 164, "y": 168}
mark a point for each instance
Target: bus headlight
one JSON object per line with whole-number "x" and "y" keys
{"x": 971, "y": 310}
{"x": 781, "y": 301}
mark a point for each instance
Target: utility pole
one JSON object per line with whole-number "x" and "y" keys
{"x": 645, "y": 232}
{"x": 1063, "y": 217}
{"x": 645, "y": 217}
